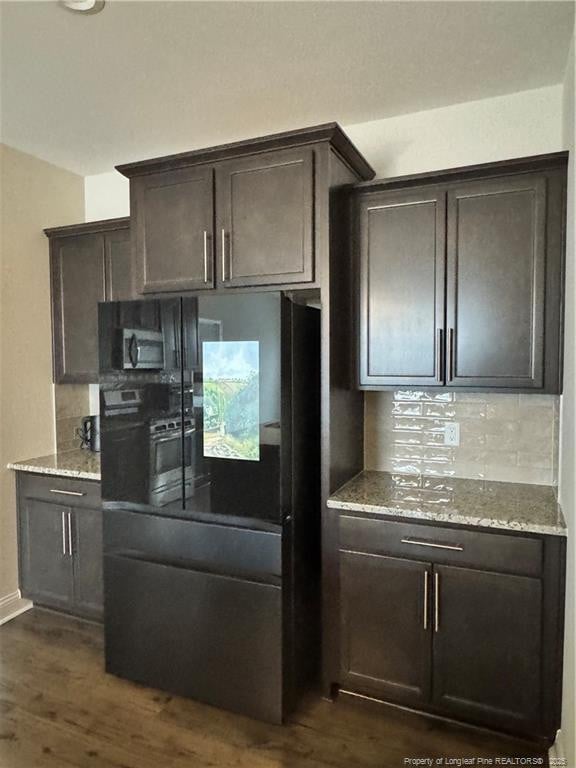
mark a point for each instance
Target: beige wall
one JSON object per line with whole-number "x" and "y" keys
{"x": 34, "y": 195}
{"x": 518, "y": 124}
{"x": 567, "y": 489}
{"x": 515, "y": 125}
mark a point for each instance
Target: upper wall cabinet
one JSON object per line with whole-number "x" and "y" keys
{"x": 265, "y": 207}
{"x": 241, "y": 215}
{"x": 173, "y": 230}
{"x": 402, "y": 289}
{"x": 461, "y": 278}
{"x": 89, "y": 263}
{"x": 496, "y": 254}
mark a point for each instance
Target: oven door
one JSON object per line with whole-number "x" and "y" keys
{"x": 166, "y": 466}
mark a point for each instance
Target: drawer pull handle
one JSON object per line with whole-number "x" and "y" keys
{"x": 416, "y": 542}
{"x": 67, "y": 493}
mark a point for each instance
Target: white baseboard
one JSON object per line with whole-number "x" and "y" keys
{"x": 557, "y": 754}
{"x": 13, "y": 605}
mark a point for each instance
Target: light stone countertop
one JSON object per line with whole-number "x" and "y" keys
{"x": 482, "y": 503}
{"x": 84, "y": 465}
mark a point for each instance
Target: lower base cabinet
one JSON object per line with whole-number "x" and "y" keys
{"x": 487, "y": 647}
{"x": 385, "y": 643}
{"x": 481, "y": 646}
{"x": 60, "y": 544}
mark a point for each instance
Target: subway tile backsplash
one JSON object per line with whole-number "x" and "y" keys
{"x": 512, "y": 438}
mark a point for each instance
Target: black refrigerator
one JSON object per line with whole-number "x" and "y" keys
{"x": 210, "y": 452}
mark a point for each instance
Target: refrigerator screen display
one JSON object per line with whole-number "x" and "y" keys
{"x": 231, "y": 399}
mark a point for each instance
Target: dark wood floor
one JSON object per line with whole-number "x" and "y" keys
{"x": 58, "y": 709}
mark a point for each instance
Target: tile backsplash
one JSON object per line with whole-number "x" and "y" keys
{"x": 71, "y": 402}
{"x": 513, "y": 438}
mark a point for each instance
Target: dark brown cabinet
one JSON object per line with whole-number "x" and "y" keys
{"x": 89, "y": 263}
{"x": 252, "y": 225}
{"x": 78, "y": 284}
{"x": 402, "y": 265}
{"x": 265, "y": 219}
{"x": 429, "y": 619}
{"x": 487, "y": 646}
{"x": 247, "y": 214}
{"x": 173, "y": 230}
{"x": 60, "y": 543}
{"x": 461, "y": 278}
{"x": 384, "y": 620}
{"x": 46, "y": 568}
{"x": 496, "y": 297}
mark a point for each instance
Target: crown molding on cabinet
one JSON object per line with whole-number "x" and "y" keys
{"x": 328, "y": 132}
{"x": 528, "y": 164}
{"x": 89, "y": 227}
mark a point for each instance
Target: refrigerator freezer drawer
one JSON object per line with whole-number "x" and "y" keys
{"x": 213, "y": 638}
{"x": 240, "y": 552}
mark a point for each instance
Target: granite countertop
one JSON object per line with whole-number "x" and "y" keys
{"x": 483, "y": 503}
{"x": 84, "y": 465}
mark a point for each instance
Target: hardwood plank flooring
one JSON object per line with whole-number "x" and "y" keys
{"x": 58, "y": 709}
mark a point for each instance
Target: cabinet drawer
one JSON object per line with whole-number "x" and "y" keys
{"x": 471, "y": 549}
{"x": 66, "y": 491}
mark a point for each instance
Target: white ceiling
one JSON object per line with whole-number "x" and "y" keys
{"x": 149, "y": 78}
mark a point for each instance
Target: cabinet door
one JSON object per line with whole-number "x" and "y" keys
{"x": 173, "y": 227}
{"x": 487, "y": 647}
{"x": 402, "y": 268}
{"x": 265, "y": 219}
{"x": 496, "y": 282}
{"x": 88, "y": 561}
{"x": 385, "y": 627}
{"x": 45, "y": 559}
{"x": 118, "y": 266}
{"x": 78, "y": 284}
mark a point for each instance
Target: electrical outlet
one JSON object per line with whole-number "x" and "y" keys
{"x": 452, "y": 433}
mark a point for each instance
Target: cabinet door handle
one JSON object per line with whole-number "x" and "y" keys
{"x": 417, "y": 543}
{"x": 436, "y": 602}
{"x": 451, "y": 335}
{"x": 439, "y": 356}
{"x": 224, "y": 278}
{"x": 426, "y": 578}
{"x": 64, "y": 552}
{"x": 206, "y": 270}
{"x": 66, "y": 493}
{"x": 70, "y": 533}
